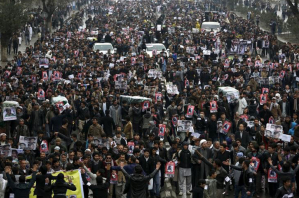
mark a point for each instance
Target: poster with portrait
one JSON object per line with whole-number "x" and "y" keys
{"x": 225, "y": 127}
{"x": 273, "y": 131}
{"x": 43, "y": 62}
{"x": 131, "y": 146}
{"x": 174, "y": 121}
{"x": 172, "y": 89}
{"x": 41, "y": 95}
{"x": 263, "y": 99}
{"x": 213, "y": 106}
{"x": 244, "y": 117}
{"x": 158, "y": 97}
{"x": 44, "y": 146}
{"x": 5, "y": 150}
{"x": 29, "y": 142}
{"x": 250, "y": 124}
{"x": 255, "y": 163}
{"x": 190, "y": 111}
{"x": 45, "y": 76}
{"x": 184, "y": 125}
{"x": 219, "y": 126}
{"x": 9, "y": 113}
{"x": 265, "y": 90}
{"x": 169, "y": 169}
{"x": 121, "y": 85}
{"x": 145, "y": 105}
{"x": 97, "y": 141}
{"x": 162, "y": 130}
{"x": 272, "y": 176}
{"x": 242, "y": 47}
{"x": 234, "y": 46}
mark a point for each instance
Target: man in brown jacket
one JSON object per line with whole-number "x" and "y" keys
{"x": 253, "y": 84}
{"x": 121, "y": 180}
{"x": 95, "y": 129}
{"x": 275, "y": 109}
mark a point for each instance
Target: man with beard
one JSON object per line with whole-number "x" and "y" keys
{"x": 202, "y": 169}
{"x": 115, "y": 112}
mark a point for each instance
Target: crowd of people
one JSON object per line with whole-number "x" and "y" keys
{"x": 121, "y": 137}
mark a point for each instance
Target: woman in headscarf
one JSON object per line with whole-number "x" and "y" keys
{"x": 60, "y": 186}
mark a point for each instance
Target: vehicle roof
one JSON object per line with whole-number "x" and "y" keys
{"x": 154, "y": 44}
{"x": 211, "y": 22}
{"x": 103, "y": 44}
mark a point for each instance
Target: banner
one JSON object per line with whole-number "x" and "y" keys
{"x": 75, "y": 175}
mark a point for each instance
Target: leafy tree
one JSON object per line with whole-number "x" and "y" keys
{"x": 12, "y": 18}
{"x": 49, "y": 7}
{"x": 294, "y": 8}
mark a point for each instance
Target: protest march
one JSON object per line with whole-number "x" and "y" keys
{"x": 134, "y": 99}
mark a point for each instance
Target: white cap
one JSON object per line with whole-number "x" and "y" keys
{"x": 202, "y": 141}
{"x": 57, "y": 148}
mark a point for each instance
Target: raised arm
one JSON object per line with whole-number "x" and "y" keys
{"x": 204, "y": 159}
{"x": 158, "y": 165}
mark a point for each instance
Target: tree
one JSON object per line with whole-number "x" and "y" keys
{"x": 12, "y": 18}
{"x": 49, "y": 7}
{"x": 294, "y": 8}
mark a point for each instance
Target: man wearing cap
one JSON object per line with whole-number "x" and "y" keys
{"x": 275, "y": 109}
{"x": 203, "y": 169}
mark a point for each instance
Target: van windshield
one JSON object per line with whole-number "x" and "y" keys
{"x": 155, "y": 47}
{"x": 103, "y": 47}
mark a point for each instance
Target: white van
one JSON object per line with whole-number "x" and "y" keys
{"x": 155, "y": 48}
{"x": 103, "y": 48}
{"x": 210, "y": 27}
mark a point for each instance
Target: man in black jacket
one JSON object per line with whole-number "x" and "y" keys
{"x": 285, "y": 189}
{"x": 21, "y": 190}
{"x": 184, "y": 160}
{"x": 246, "y": 180}
{"x": 198, "y": 190}
{"x": 139, "y": 182}
{"x": 147, "y": 162}
{"x": 243, "y": 136}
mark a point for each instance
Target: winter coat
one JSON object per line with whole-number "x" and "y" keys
{"x": 139, "y": 183}
{"x": 21, "y": 190}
